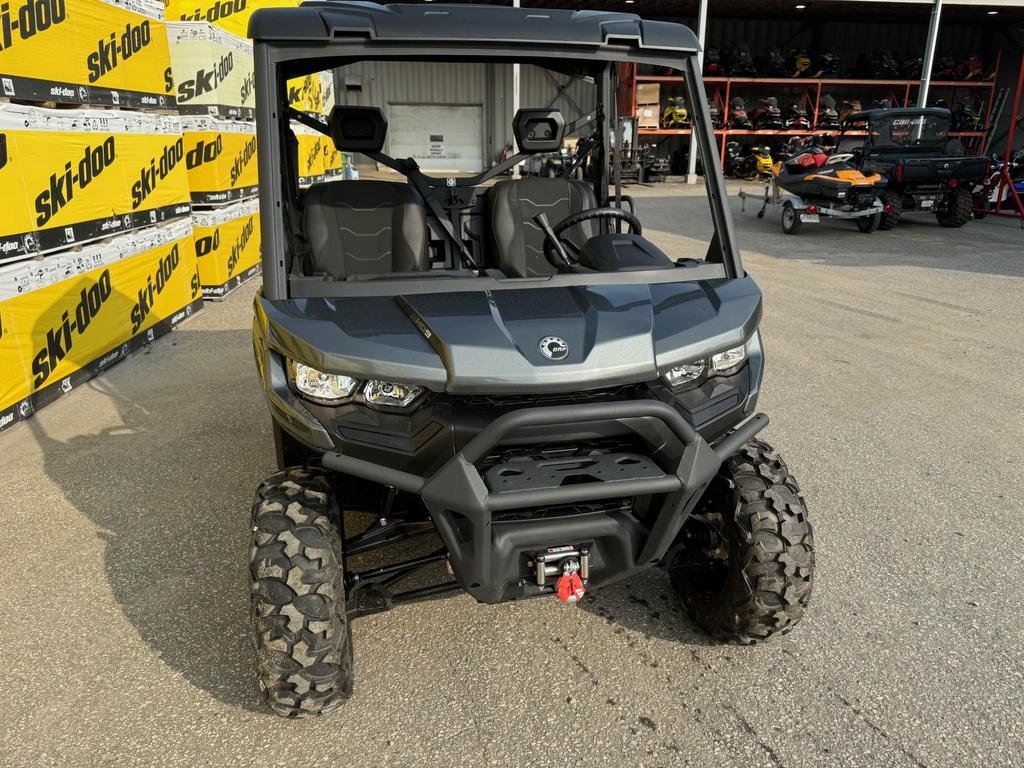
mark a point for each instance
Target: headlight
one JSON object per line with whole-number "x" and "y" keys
{"x": 390, "y": 393}
{"x": 317, "y": 385}
{"x": 730, "y": 360}
{"x": 684, "y": 374}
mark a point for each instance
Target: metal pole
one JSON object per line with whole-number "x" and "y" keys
{"x": 515, "y": 95}
{"x": 702, "y": 25}
{"x": 929, "y": 54}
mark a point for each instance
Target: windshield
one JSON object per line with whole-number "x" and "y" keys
{"x": 494, "y": 172}
{"x": 907, "y": 131}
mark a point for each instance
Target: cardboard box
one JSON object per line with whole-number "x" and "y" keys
{"x": 231, "y": 15}
{"x": 111, "y": 52}
{"x": 57, "y": 335}
{"x": 71, "y": 176}
{"x": 227, "y": 246}
{"x": 648, "y": 93}
{"x": 647, "y": 115}
{"x": 648, "y": 104}
{"x": 212, "y": 70}
{"x": 220, "y": 156}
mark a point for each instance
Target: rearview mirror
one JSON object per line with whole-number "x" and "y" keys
{"x": 538, "y": 130}
{"x": 358, "y": 129}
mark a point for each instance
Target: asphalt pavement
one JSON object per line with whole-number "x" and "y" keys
{"x": 895, "y": 383}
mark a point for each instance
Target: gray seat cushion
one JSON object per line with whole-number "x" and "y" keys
{"x": 516, "y": 240}
{"x": 365, "y": 227}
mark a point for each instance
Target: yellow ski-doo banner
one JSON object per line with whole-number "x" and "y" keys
{"x": 319, "y": 159}
{"x": 85, "y": 52}
{"x": 311, "y": 167}
{"x": 212, "y": 70}
{"x": 227, "y": 246}
{"x": 221, "y": 159}
{"x": 84, "y": 174}
{"x": 232, "y": 15}
{"x": 65, "y": 332}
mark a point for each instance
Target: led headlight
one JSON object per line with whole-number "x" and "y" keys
{"x": 320, "y": 386}
{"x": 390, "y": 393}
{"x": 684, "y": 374}
{"x": 730, "y": 360}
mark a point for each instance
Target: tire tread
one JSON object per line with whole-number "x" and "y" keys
{"x": 298, "y": 622}
{"x": 773, "y": 554}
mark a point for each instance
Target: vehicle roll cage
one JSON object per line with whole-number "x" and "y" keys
{"x": 283, "y": 51}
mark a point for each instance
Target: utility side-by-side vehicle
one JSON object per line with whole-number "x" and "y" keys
{"x": 493, "y": 363}
{"x": 926, "y": 171}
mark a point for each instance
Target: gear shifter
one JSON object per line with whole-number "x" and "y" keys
{"x": 556, "y": 252}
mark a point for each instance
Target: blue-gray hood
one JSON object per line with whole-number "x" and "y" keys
{"x": 489, "y": 341}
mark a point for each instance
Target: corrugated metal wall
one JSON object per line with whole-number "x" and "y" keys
{"x": 381, "y": 83}
{"x": 847, "y": 39}
{"x": 537, "y": 89}
{"x": 418, "y": 83}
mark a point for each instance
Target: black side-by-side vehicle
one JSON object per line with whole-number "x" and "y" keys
{"x": 926, "y": 171}
{"x": 494, "y": 364}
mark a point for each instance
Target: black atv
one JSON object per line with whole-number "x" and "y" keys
{"x": 500, "y": 383}
{"x": 926, "y": 171}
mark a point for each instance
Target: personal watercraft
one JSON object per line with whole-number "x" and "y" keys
{"x": 830, "y": 180}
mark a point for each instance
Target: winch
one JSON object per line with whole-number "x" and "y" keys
{"x": 570, "y": 564}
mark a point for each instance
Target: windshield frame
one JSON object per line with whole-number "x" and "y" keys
{"x": 877, "y": 121}
{"x": 276, "y": 62}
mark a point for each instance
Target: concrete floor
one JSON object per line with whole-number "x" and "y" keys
{"x": 895, "y": 388}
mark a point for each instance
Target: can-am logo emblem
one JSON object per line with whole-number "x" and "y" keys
{"x": 554, "y": 348}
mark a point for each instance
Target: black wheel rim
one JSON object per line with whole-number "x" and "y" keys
{"x": 705, "y": 562}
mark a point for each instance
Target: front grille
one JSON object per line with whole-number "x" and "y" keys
{"x": 623, "y": 392}
{"x": 503, "y": 454}
{"x": 604, "y": 506}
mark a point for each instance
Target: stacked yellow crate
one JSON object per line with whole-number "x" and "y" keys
{"x": 96, "y": 246}
{"x": 213, "y": 75}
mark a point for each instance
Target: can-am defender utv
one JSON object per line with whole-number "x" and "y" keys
{"x": 495, "y": 365}
{"x": 926, "y": 171}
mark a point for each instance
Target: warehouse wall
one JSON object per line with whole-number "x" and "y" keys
{"x": 846, "y": 39}
{"x": 490, "y": 85}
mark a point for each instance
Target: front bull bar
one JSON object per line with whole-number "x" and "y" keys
{"x": 485, "y": 555}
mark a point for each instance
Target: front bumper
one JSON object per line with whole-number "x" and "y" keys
{"x": 488, "y": 551}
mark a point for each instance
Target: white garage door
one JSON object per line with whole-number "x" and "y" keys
{"x": 439, "y": 137}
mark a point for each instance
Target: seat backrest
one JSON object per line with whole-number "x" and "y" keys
{"x": 365, "y": 227}
{"x": 516, "y": 241}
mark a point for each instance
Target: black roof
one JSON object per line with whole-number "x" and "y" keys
{"x": 875, "y": 114}
{"x": 323, "y": 20}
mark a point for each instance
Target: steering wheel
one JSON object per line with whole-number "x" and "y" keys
{"x": 607, "y": 212}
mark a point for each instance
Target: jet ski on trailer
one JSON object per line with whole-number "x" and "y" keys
{"x": 813, "y": 184}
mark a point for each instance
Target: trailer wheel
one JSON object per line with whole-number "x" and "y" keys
{"x": 744, "y": 561}
{"x": 958, "y": 211}
{"x": 868, "y": 224}
{"x": 981, "y": 207}
{"x": 890, "y": 218}
{"x": 790, "y": 219}
{"x": 298, "y": 621}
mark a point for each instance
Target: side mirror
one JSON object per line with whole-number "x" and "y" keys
{"x": 538, "y": 130}
{"x": 358, "y": 129}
